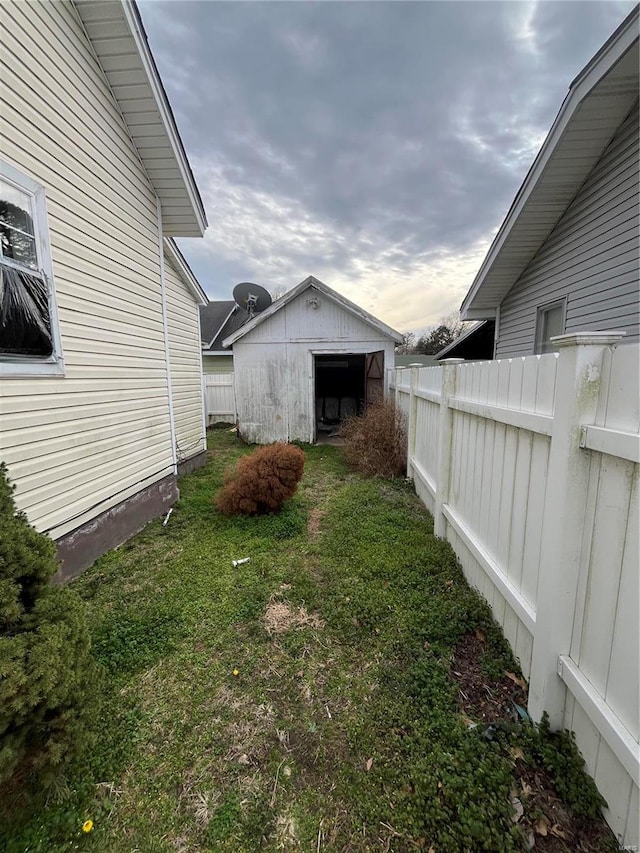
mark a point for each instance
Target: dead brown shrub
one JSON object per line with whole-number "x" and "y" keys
{"x": 376, "y": 441}
{"x": 262, "y": 481}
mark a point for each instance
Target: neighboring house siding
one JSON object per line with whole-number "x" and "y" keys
{"x": 79, "y": 444}
{"x": 217, "y": 364}
{"x": 591, "y": 256}
{"x": 184, "y": 358}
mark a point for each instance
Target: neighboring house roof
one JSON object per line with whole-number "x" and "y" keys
{"x": 237, "y": 318}
{"x": 213, "y": 316}
{"x": 474, "y": 343}
{"x": 415, "y": 358}
{"x": 115, "y": 29}
{"x": 218, "y": 320}
{"x": 599, "y": 100}
{"x": 185, "y": 272}
{"x": 312, "y": 281}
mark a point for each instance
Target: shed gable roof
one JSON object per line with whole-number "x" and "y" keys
{"x": 312, "y": 281}
{"x": 116, "y": 32}
{"x": 599, "y": 100}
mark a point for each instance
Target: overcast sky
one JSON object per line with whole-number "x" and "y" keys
{"x": 375, "y": 145}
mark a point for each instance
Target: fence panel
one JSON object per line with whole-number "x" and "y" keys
{"x": 530, "y": 466}
{"x": 220, "y": 399}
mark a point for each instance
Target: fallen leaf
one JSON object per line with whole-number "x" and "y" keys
{"x": 517, "y": 753}
{"x": 541, "y": 826}
{"x": 518, "y": 810}
{"x": 368, "y": 764}
{"x": 516, "y": 679}
{"x": 468, "y": 722}
{"x": 527, "y": 789}
{"x": 243, "y": 759}
{"x": 448, "y": 584}
{"x": 480, "y": 635}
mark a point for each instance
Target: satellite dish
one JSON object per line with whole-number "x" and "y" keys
{"x": 252, "y": 297}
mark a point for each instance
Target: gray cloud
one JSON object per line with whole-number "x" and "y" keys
{"x": 363, "y": 139}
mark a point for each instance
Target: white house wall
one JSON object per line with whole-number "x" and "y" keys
{"x": 186, "y": 365}
{"x": 591, "y": 256}
{"x": 274, "y": 368}
{"x": 80, "y": 443}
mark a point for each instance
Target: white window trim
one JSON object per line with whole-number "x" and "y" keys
{"x": 540, "y": 309}
{"x": 54, "y": 364}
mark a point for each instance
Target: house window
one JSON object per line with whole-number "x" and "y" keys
{"x": 29, "y": 338}
{"x": 550, "y": 322}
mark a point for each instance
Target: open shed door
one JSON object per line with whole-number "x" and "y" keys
{"x": 374, "y": 377}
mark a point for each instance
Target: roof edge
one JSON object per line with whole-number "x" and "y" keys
{"x": 594, "y": 71}
{"x": 185, "y": 271}
{"x": 134, "y": 22}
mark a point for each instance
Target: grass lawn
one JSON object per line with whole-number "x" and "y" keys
{"x": 334, "y": 693}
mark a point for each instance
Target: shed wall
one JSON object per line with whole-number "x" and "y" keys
{"x": 78, "y": 444}
{"x": 274, "y": 367}
{"x": 591, "y": 256}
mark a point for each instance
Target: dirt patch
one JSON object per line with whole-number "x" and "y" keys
{"x": 554, "y": 829}
{"x": 484, "y": 699}
{"x": 281, "y": 617}
{"x": 315, "y": 522}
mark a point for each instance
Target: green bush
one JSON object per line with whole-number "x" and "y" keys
{"x": 48, "y": 683}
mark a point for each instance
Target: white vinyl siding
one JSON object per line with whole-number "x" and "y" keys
{"x": 79, "y": 444}
{"x": 183, "y": 324}
{"x": 591, "y": 256}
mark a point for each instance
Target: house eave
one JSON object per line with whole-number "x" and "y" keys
{"x": 185, "y": 271}
{"x": 607, "y": 88}
{"x": 116, "y": 33}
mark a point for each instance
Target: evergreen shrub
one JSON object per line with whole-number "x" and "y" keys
{"x": 48, "y": 679}
{"x": 262, "y": 481}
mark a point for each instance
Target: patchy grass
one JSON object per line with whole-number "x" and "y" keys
{"x": 344, "y": 690}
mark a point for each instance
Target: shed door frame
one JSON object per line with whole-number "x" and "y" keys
{"x": 374, "y": 376}
{"x": 366, "y": 349}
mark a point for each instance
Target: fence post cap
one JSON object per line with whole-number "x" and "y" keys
{"x": 452, "y": 360}
{"x": 588, "y": 339}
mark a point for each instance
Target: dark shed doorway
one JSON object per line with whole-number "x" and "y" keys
{"x": 344, "y": 384}
{"x": 339, "y": 389}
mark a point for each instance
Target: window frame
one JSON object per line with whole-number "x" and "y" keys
{"x": 541, "y": 310}
{"x": 17, "y": 365}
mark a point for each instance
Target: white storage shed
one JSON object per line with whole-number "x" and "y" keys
{"x": 307, "y": 362}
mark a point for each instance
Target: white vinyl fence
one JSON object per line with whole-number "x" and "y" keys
{"x": 220, "y": 398}
{"x": 530, "y": 468}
